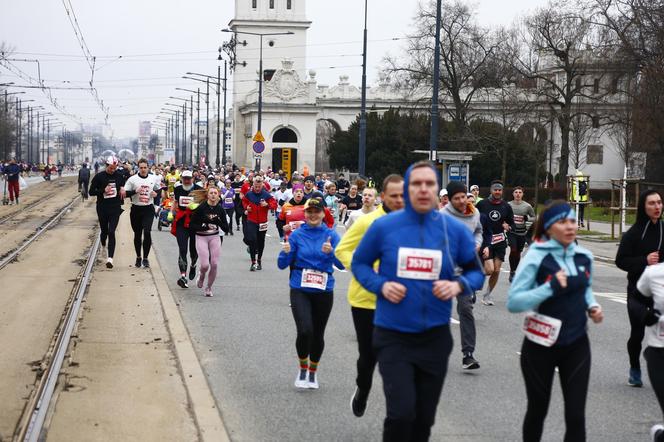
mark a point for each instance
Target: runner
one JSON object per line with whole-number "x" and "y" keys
{"x": 239, "y": 210}
{"x": 555, "y": 280}
{"x": 419, "y": 251}
{"x": 309, "y": 253}
{"x": 172, "y": 177}
{"x": 342, "y": 186}
{"x": 228, "y": 198}
{"x": 331, "y": 199}
{"x": 444, "y": 199}
{"x": 180, "y": 226}
{"x": 84, "y": 180}
{"x": 206, "y": 221}
{"x": 363, "y": 303}
{"x": 523, "y": 213}
{"x": 501, "y": 219}
{"x": 368, "y": 206}
{"x": 282, "y": 195}
{"x": 466, "y": 213}
{"x": 142, "y": 189}
{"x": 651, "y": 285}
{"x": 309, "y": 186}
{"x": 108, "y": 187}
{"x": 257, "y": 203}
{"x": 352, "y": 201}
{"x": 641, "y": 246}
{"x": 475, "y": 190}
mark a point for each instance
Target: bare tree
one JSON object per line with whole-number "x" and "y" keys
{"x": 580, "y": 132}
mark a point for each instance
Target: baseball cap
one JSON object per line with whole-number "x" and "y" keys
{"x": 474, "y": 187}
{"x": 187, "y": 174}
{"x": 442, "y": 192}
{"x": 111, "y": 160}
{"x": 313, "y": 203}
{"x": 309, "y": 178}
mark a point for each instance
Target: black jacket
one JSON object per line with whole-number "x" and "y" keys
{"x": 84, "y": 175}
{"x": 98, "y": 185}
{"x": 636, "y": 244}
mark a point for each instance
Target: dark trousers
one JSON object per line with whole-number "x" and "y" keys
{"x": 366, "y": 362}
{"x": 517, "y": 243}
{"x": 280, "y": 227}
{"x": 655, "y": 359}
{"x": 229, "y": 213}
{"x": 635, "y": 311}
{"x": 310, "y": 312}
{"x": 108, "y": 217}
{"x": 83, "y": 185}
{"x": 466, "y": 323}
{"x": 255, "y": 239}
{"x": 14, "y": 189}
{"x": 413, "y": 367}
{"x": 186, "y": 239}
{"x": 538, "y": 365}
{"x": 141, "y": 218}
{"x": 239, "y": 214}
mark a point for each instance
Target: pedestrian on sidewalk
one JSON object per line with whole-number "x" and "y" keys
{"x": 641, "y": 246}
{"x": 12, "y": 173}
{"x": 208, "y": 218}
{"x": 555, "y": 281}
{"x": 309, "y": 253}
{"x": 426, "y": 260}
{"x": 108, "y": 187}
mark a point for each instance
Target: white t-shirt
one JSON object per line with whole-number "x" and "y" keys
{"x": 354, "y": 215}
{"x": 651, "y": 284}
{"x": 143, "y": 188}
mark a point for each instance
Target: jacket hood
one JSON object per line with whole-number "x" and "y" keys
{"x": 641, "y": 216}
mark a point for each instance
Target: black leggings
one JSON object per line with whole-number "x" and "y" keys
{"x": 311, "y": 312}
{"x": 108, "y": 222}
{"x": 141, "y": 218}
{"x": 239, "y": 213}
{"x": 517, "y": 243}
{"x": 538, "y": 365}
{"x": 366, "y": 362}
{"x": 185, "y": 238}
{"x": 229, "y": 213}
{"x": 255, "y": 239}
{"x": 655, "y": 358}
{"x": 635, "y": 311}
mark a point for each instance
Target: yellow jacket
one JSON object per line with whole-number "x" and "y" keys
{"x": 357, "y": 295}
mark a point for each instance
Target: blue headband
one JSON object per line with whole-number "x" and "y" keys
{"x": 556, "y": 213}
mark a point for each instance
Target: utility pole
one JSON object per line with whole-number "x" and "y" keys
{"x": 207, "y": 122}
{"x": 225, "y": 84}
{"x": 191, "y": 132}
{"x": 433, "y": 139}
{"x": 198, "y": 125}
{"x": 361, "y": 166}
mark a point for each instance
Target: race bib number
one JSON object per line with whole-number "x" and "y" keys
{"x": 424, "y": 264}
{"x": 228, "y": 200}
{"x": 313, "y": 279}
{"x": 184, "y": 201}
{"x": 112, "y": 193}
{"x": 496, "y": 239}
{"x": 294, "y": 225}
{"x": 541, "y": 329}
{"x": 144, "y": 194}
{"x": 519, "y": 219}
{"x": 262, "y": 227}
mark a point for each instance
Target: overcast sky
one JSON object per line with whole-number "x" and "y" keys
{"x": 160, "y": 40}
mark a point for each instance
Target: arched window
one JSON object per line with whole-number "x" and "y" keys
{"x": 284, "y": 135}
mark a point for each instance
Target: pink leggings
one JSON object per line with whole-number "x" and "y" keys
{"x": 209, "y": 249}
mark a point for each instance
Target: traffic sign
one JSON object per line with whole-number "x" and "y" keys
{"x": 259, "y": 147}
{"x": 258, "y": 155}
{"x": 259, "y": 136}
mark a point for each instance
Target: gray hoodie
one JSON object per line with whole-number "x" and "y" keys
{"x": 471, "y": 221}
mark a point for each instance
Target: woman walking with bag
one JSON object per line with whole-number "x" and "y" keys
{"x": 554, "y": 285}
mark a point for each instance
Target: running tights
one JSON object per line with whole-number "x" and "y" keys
{"x": 311, "y": 312}
{"x": 141, "y": 218}
{"x": 229, "y": 213}
{"x": 209, "y": 249}
{"x": 366, "y": 362}
{"x": 186, "y": 239}
{"x": 255, "y": 239}
{"x": 108, "y": 222}
{"x": 517, "y": 243}
{"x": 636, "y": 312}
{"x": 538, "y": 365}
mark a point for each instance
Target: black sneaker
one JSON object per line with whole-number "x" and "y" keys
{"x": 192, "y": 272}
{"x": 259, "y": 266}
{"x": 138, "y": 262}
{"x": 238, "y": 228}
{"x": 511, "y": 278}
{"x": 252, "y": 268}
{"x": 182, "y": 282}
{"x": 231, "y": 232}
{"x": 146, "y": 263}
{"x": 358, "y": 403}
{"x": 469, "y": 362}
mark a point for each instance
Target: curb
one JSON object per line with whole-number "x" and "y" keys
{"x": 206, "y": 414}
{"x": 605, "y": 260}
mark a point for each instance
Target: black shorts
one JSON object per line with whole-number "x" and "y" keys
{"x": 517, "y": 242}
{"x": 497, "y": 251}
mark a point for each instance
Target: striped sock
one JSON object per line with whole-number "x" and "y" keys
{"x": 313, "y": 366}
{"x": 304, "y": 363}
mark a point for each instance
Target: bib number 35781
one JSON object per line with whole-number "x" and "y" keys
{"x": 541, "y": 329}
{"x": 424, "y": 264}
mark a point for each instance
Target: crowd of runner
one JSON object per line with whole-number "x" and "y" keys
{"x": 412, "y": 249}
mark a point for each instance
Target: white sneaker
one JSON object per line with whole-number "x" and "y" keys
{"x": 656, "y": 432}
{"x": 301, "y": 379}
{"x": 109, "y": 263}
{"x": 487, "y": 299}
{"x": 312, "y": 382}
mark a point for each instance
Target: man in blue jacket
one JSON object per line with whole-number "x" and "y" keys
{"x": 426, "y": 259}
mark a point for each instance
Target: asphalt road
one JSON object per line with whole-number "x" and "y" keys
{"x": 245, "y": 339}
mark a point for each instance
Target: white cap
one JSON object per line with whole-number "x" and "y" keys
{"x": 442, "y": 193}
{"x": 474, "y": 186}
{"x": 187, "y": 174}
{"x": 111, "y": 160}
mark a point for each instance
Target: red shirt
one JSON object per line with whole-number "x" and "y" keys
{"x": 246, "y": 187}
{"x": 294, "y": 216}
{"x": 257, "y": 213}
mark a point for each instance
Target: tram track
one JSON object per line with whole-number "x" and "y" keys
{"x": 37, "y": 198}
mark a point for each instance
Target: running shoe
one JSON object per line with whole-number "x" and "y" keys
{"x": 238, "y": 228}
{"x": 208, "y": 292}
{"x": 511, "y": 278}
{"x": 231, "y": 232}
{"x": 137, "y": 264}
{"x": 635, "y": 377}
{"x": 312, "y": 382}
{"x": 192, "y": 272}
{"x": 200, "y": 281}
{"x": 469, "y": 362}
{"x": 487, "y": 299}
{"x": 259, "y": 266}
{"x": 109, "y": 263}
{"x": 253, "y": 267}
{"x": 358, "y": 403}
{"x": 301, "y": 379}
{"x": 182, "y": 282}
{"x": 657, "y": 432}
{"x": 146, "y": 263}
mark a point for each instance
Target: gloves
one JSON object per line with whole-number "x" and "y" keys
{"x": 652, "y": 316}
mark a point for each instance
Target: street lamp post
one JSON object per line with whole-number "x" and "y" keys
{"x": 259, "y": 135}
{"x": 433, "y": 138}
{"x": 175, "y": 115}
{"x": 198, "y": 121}
{"x": 363, "y": 110}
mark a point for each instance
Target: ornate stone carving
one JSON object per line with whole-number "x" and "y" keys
{"x": 285, "y": 84}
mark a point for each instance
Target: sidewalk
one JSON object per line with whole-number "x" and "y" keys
{"x": 124, "y": 380}
{"x": 603, "y": 250}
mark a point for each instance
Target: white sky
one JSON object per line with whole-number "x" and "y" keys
{"x": 136, "y": 86}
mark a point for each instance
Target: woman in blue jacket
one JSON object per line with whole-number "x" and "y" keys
{"x": 554, "y": 285}
{"x": 308, "y": 252}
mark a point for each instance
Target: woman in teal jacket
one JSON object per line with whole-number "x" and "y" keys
{"x": 554, "y": 284}
{"x": 308, "y": 252}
